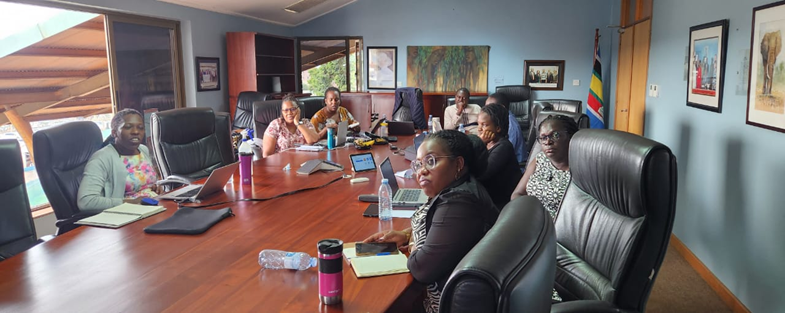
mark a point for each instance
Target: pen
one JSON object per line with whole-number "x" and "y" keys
{"x": 383, "y": 253}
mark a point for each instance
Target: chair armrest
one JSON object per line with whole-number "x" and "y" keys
{"x": 586, "y": 306}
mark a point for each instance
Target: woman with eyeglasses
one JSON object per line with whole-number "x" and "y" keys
{"x": 288, "y": 130}
{"x": 502, "y": 171}
{"x": 548, "y": 175}
{"x": 459, "y": 212}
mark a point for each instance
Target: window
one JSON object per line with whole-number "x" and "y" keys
{"x": 323, "y": 64}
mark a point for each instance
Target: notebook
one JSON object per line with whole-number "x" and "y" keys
{"x": 121, "y": 215}
{"x": 379, "y": 265}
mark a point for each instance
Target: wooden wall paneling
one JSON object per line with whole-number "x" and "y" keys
{"x": 241, "y": 65}
{"x": 434, "y": 104}
{"x": 640, "y": 70}
{"x": 624, "y": 75}
{"x": 359, "y": 104}
{"x": 383, "y": 103}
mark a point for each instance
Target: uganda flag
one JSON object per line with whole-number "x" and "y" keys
{"x": 596, "y": 106}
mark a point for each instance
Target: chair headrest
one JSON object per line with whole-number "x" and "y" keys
{"x": 267, "y": 111}
{"x": 11, "y": 158}
{"x": 515, "y": 93}
{"x": 246, "y": 99}
{"x": 614, "y": 167}
{"x": 185, "y": 125}
{"x": 564, "y": 104}
{"x": 66, "y": 146}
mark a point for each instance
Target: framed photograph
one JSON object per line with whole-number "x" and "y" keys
{"x": 766, "y": 92}
{"x": 544, "y": 74}
{"x": 708, "y": 46}
{"x": 208, "y": 74}
{"x": 381, "y": 67}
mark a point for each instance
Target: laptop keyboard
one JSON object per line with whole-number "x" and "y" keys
{"x": 409, "y": 195}
{"x": 190, "y": 193}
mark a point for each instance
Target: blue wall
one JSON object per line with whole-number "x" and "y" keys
{"x": 515, "y": 29}
{"x": 731, "y": 175}
{"x": 203, "y": 34}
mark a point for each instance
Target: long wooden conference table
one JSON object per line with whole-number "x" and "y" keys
{"x": 94, "y": 269}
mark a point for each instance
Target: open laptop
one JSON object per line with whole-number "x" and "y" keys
{"x": 214, "y": 183}
{"x": 340, "y": 136}
{"x": 401, "y": 197}
{"x": 410, "y": 153}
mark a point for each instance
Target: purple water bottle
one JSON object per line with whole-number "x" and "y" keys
{"x": 246, "y": 161}
{"x": 330, "y": 270}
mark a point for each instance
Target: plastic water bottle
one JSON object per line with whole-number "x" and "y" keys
{"x": 461, "y": 128}
{"x": 277, "y": 259}
{"x": 383, "y": 130}
{"x": 430, "y": 123}
{"x": 385, "y": 201}
{"x": 246, "y": 161}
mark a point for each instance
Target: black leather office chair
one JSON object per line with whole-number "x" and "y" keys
{"x": 519, "y": 96}
{"x": 243, "y": 113}
{"x": 562, "y": 104}
{"x": 17, "y": 231}
{"x": 61, "y": 153}
{"x": 511, "y": 269}
{"x": 615, "y": 221}
{"x": 309, "y": 106}
{"x": 158, "y": 100}
{"x": 580, "y": 118}
{"x": 191, "y": 142}
{"x": 264, "y": 112}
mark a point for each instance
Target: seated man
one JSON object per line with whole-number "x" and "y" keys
{"x": 462, "y": 113}
{"x": 514, "y": 134}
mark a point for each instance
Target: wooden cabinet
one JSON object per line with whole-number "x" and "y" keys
{"x": 259, "y": 62}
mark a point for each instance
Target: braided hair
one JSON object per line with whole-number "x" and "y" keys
{"x": 333, "y": 89}
{"x": 457, "y": 144}
{"x": 499, "y": 116}
{"x": 567, "y": 122}
{"x": 119, "y": 118}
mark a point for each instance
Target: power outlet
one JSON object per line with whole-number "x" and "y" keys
{"x": 576, "y": 82}
{"x": 654, "y": 91}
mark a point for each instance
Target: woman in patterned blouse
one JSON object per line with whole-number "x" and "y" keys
{"x": 289, "y": 130}
{"x": 457, "y": 215}
{"x": 548, "y": 175}
{"x": 122, "y": 171}
{"x": 332, "y": 113}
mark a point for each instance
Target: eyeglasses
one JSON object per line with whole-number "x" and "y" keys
{"x": 289, "y": 110}
{"x": 428, "y": 161}
{"x": 555, "y": 136}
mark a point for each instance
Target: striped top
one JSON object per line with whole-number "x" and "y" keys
{"x": 320, "y": 118}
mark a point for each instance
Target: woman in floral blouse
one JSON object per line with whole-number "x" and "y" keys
{"x": 289, "y": 130}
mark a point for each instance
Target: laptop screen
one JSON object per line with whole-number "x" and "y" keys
{"x": 389, "y": 173}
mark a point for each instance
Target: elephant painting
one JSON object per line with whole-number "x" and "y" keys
{"x": 770, "y": 47}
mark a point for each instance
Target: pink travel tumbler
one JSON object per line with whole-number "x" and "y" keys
{"x": 246, "y": 161}
{"x": 330, "y": 270}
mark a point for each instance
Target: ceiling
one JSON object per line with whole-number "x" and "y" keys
{"x": 65, "y": 75}
{"x": 265, "y": 10}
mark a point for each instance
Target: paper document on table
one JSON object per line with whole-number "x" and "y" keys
{"x": 404, "y": 174}
{"x": 402, "y": 213}
{"x": 310, "y": 148}
{"x": 379, "y": 265}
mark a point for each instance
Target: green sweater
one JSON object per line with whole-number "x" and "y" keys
{"x": 103, "y": 182}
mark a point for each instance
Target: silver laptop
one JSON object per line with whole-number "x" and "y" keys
{"x": 401, "y": 197}
{"x": 214, "y": 183}
{"x": 340, "y": 136}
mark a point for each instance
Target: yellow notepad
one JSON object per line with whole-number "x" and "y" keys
{"x": 121, "y": 215}
{"x": 371, "y": 266}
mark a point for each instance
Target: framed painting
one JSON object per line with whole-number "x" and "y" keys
{"x": 382, "y": 67}
{"x": 708, "y": 46}
{"x": 544, "y": 74}
{"x": 208, "y": 74}
{"x": 766, "y": 92}
{"x": 445, "y": 69}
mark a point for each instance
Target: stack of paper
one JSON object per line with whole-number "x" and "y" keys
{"x": 121, "y": 215}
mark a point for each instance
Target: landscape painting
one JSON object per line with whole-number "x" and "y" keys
{"x": 447, "y": 68}
{"x": 766, "y": 93}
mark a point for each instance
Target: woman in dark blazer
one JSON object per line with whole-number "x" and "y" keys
{"x": 457, "y": 215}
{"x": 502, "y": 171}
